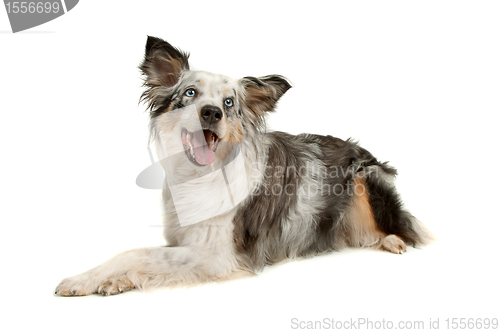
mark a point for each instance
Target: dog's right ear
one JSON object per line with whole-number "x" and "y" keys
{"x": 163, "y": 63}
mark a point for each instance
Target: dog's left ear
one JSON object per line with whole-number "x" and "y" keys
{"x": 262, "y": 94}
{"x": 163, "y": 63}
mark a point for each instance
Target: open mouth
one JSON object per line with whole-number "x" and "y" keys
{"x": 200, "y": 146}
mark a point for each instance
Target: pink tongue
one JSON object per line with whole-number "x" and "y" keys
{"x": 202, "y": 152}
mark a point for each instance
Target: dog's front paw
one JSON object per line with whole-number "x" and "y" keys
{"x": 115, "y": 285}
{"x": 394, "y": 244}
{"x": 78, "y": 285}
{"x": 86, "y": 284}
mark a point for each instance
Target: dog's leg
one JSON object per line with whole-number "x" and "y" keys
{"x": 151, "y": 267}
{"x": 363, "y": 229}
{"x": 391, "y": 217}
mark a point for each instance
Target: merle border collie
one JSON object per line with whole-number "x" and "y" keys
{"x": 237, "y": 197}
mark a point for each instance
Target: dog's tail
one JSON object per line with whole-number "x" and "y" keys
{"x": 388, "y": 209}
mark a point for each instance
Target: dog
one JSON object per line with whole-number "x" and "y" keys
{"x": 238, "y": 198}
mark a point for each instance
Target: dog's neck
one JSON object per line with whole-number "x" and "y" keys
{"x": 197, "y": 194}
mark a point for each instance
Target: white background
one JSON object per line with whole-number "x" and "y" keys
{"x": 416, "y": 82}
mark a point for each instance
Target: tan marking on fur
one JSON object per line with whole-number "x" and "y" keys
{"x": 167, "y": 69}
{"x": 362, "y": 229}
{"x": 170, "y": 107}
{"x": 234, "y": 132}
{"x": 163, "y": 70}
{"x": 226, "y": 92}
{"x": 256, "y": 99}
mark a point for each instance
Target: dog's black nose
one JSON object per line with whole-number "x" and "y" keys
{"x": 211, "y": 114}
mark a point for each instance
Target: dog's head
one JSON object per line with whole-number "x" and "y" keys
{"x": 228, "y": 109}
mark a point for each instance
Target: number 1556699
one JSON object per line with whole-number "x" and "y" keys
{"x": 32, "y": 7}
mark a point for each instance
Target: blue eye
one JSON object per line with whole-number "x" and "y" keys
{"x": 190, "y": 92}
{"x": 228, "y": 102}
